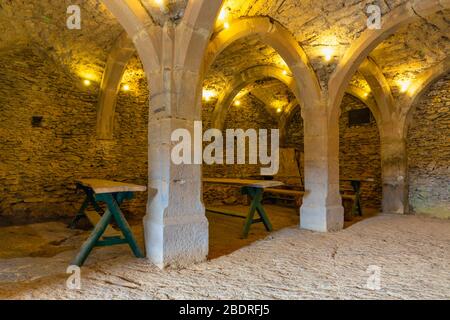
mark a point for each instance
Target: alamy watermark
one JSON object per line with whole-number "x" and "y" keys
{"x": 189, "y": 149}
{"x": 73, "y": 282}
{"x": 374, "y": 279}
{"x": 73, "y": 21}
{"x": 374, "y": 17}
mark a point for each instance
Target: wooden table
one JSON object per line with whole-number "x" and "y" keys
{"x": 254, "y": 189}
{"x": 113, "y": 194}
{"x": 356, "y": 185}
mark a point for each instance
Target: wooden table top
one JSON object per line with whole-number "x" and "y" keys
{"x": 107, "y": 186}
{"x": 357, "y": 179}
{"x": 245, "y": 182}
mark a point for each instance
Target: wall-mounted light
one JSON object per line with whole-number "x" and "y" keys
{"x": 328, "y": 53}
{"x": 87, "y": 82}
{"x": 223, "y": 17}
{"x": 223, "y": 14}
{"x": 404, "y": 85}
{"x": 208, "y": 94}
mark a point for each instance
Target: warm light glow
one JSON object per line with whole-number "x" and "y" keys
{"x": 237, "y": 103}
{"x": 208, "y": 94}
{"x": 327, "y": 53}
{"x": 366, "y": 94}
{"x": 86, "y": 73}
{"x": 223, "y": 14}
{"x": 126, "y": 87}
{"x": 159, "y": 2}
{"x": 285, "y": 72}
{"x": 226, "y": 25}
{"x": 404, "y": 85}
{"x": 86, "y": 82}
{"x": 278, "y": 110}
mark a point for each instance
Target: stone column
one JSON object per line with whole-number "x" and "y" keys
{"x": 394, "y": 174}
{"x": 322, "y": 206}
{"x": 175, "y": 227}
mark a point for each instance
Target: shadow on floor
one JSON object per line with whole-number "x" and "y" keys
{"x": 225, "y": 232}
{"x": 51, "y": 238}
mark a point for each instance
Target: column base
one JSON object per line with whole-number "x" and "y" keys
{"x": 177, "y": 242}
{"x": 322, "y": 219}
{"x": 395, "y": 198}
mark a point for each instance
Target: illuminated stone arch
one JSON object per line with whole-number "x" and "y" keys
{"x": 352, "y": 90}
{"x": 272, "y": 33}
{"x": 122, "y": 51}
{"x": 369, "y": 40}
{"x": 240, "y": 81}
{"x": 418, "y": 89}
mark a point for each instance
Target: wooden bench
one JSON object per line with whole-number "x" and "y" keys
{"x": 254, "y": 189}
{"x": 298, "y": 196}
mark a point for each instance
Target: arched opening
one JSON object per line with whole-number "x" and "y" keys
{"x": 359, "y": 158}
{"x": 392, "y": 72}
{"x": 248, "y": 86}
{"x": 428, "y": 149}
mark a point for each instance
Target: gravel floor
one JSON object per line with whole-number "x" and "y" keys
{"x": 413, "y": 254}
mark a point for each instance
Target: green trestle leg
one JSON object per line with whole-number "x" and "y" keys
{"x": 256, "y": 194}
{"x": 113, "y": 201}
{"x": 90, "y": 199}
{"x": 357, "y": 208}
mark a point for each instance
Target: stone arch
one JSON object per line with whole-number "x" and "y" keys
{"x": 116, "y": 63}
{"x": 362, "y": 96}
{"x": 195, "y": 31}
{"x": 275, "y": 35}
{"x": 380, "y": 89}
{"x": 176, "y": 232}
{"x": 416, "y": 92}
{"x": 370, "y": 39}
{"x": 140, "y": 29}
{"x": 240, "y": 81}
{"x": 198, "y": 18}
{"x": 353, "y": 90}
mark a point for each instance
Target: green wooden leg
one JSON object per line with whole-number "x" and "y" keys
{"x": 357, "y": 188}
{"x": 80, "y": 213}
{"x": 264, "y": 217}
{"x": 90, "y": 243}
{"x": 256, "y": 194}
{"x": 90, "y": 199}
{"x": 249, "y": 219}
{"x": 113, "y": 206}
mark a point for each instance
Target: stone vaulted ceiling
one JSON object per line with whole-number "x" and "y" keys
{"x": 241, "y": 55}
{"x": 337, "y": 23}
{"x": 315, "y": 24}
{"x": 173, "y": 9}
{"x": 42, "y": 24}
{"x": 414, "y": 49}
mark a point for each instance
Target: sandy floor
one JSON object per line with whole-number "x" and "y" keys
{"x": 412, "y": 252}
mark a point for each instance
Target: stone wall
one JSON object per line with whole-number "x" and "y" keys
{"x": 251, "y": 114}
{"x": 359, "y": 150}
{"x": 360, "y": 153}
{"x": 429, "y": 152}
{"x": 294, "y": 131}
{"x": 38, "y": 165}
